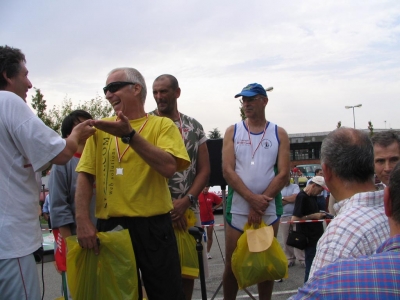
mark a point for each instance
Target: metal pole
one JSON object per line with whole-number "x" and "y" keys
{"x": 354, "y": 118}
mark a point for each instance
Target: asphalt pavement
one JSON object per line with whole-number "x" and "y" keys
{"x": 282, "y": 290}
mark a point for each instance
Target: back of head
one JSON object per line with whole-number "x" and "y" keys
{"x": 133, "y": 75}
{"x": 70, "y": 121}
{"x": 394, "y": 191}
{"x": 349, "y": 154}
{"x": 10, "y": 63}
{"x": 385, "y": 138}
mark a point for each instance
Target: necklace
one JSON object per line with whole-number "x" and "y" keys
{"x": 120, "y": 171}
{"x": 248, "y": 132}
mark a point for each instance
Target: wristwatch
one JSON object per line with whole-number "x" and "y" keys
{"x": 127, "y": 138}
{"x": 192, "y": 199}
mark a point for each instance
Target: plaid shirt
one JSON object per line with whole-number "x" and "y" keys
{"x": 358, "y": 229}
{"x": 367, "y": 277}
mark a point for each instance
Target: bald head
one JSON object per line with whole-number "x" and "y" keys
{"x": 349, "y": 154}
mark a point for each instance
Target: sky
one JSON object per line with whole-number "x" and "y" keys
{"x": 319, "y": 56}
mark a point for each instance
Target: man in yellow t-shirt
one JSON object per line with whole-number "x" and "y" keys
{"x": 131, "y": 157}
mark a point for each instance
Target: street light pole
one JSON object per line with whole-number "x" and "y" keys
{"x": 354, "y": 117}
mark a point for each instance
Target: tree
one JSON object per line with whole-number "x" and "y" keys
{"x": 214, "y": 134}
{"x": 39, "y": 104}
{"x": 339, "y": 124}
{"x": 97, "y": 107}
{"x": 242, "y": 115}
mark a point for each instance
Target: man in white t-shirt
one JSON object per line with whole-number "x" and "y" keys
{"x": 27, "y": 146}
{"x": 289, "y": 194}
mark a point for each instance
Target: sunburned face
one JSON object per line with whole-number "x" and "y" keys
{"x": 252, "y": 106}
{"x": 165, "y": 96}
{"x": 20, "y": 83}
{"x": 385, "y": 159}
{"x": 119, "y": 99}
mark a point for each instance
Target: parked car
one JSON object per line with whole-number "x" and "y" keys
{"x": 307, "y": 172}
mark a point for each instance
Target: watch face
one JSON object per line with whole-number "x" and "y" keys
{"x": 125, "y": 139}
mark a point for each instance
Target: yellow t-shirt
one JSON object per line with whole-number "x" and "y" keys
{"x": 140, "y": 191}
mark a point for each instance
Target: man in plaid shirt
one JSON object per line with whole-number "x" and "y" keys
{"x": 360, "y": 225}
{"x": 367, "y": 277}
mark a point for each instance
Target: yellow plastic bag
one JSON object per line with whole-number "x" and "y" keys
{"x": 187, "y": 248}
{"x": 254, "y": 267}
{"x": 110, "y": 275}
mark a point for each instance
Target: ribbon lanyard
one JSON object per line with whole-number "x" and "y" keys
{"x": 248, "y": 132}
{"x": 127, "y": 147}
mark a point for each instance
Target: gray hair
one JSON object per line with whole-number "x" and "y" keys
{"x": 385, "y": 138}
{"x": 133, "y": 75}
{"x": 349, "y": 154}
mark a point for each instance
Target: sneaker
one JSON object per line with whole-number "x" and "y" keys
{"x": 209, "y": 256}
{"x": 279, "y": 280}
{"x": 290, "y": 264}
{"x": 302, "y": 264}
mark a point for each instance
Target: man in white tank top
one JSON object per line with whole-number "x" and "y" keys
{"x": 255, "y": 162}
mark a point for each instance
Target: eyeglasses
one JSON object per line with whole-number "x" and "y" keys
{"x": 248, "y": 99}
{"x": 116, "y": 86}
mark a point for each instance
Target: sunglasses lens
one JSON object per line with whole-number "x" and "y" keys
{"x": 115, "y": 86}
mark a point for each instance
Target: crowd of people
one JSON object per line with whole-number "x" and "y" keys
{"x": 146, "y": 171}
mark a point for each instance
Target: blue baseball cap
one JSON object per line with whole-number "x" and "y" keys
{"x": 251, "y": 90}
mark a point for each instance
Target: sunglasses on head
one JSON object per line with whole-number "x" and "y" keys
{"x": 116, "y": 86}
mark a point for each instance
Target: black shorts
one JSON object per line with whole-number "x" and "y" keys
{"x": 156, "y": 253}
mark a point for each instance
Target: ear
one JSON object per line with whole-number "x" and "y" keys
{"x": 327, "y": 172}
{"x": 137, "y": 88}
{"x": 387, "y": 202}
{"x": 6, "y": 78}
{"x": 178, "y": 92}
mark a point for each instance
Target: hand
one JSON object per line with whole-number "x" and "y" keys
{"x": 180, "y": 207}
{"x": 259, "y": 203}
{"x": 180, "y": 224}
{"x": 117, "y": 128}
{"x": 84, "y": 130}
{"x": 86, "y": 234}
{"x": 254, "y": 217}
{"x": 317, "y": 216}
{"x": 46, "y": 216}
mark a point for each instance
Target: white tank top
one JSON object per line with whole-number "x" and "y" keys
{"x": 256, "y": 173}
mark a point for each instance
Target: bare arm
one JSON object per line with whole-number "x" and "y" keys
{"x": 289, "y": 199}
{"x": 65, "y": 231}
{"x": 200, "y": 181}
{"x": 158, "y": 159}
{"x": 314, "y": 216}
{"x": 280, "y": 180}
{"x": 85, "y": 229}
{"x": 80, "y": 133}
{"x": 257, "y": 202}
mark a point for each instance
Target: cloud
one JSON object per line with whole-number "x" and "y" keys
{"x": 319, "y": 56}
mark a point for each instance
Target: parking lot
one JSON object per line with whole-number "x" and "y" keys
{"x": 282, "y": 290}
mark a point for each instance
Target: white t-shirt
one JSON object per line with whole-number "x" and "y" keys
{"x": 288, "y": 191}
{"x": 26, "y": 146}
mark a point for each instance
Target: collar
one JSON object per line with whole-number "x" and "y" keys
{"x": 361, "y": 199}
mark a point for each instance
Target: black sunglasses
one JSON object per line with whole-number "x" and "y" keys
{"x": 116, "y": 86}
